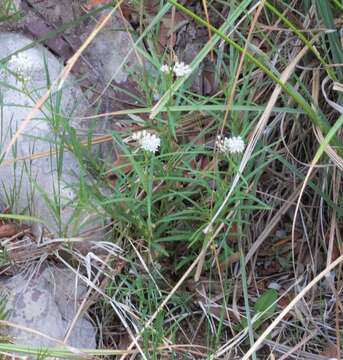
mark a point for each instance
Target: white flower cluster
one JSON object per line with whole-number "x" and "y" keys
{"x": 179, "y": 69}
{"x": 147, "y": 141}
{"x": 232, "y": 145}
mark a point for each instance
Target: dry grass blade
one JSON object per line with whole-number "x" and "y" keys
{"x": 204, "y": 4}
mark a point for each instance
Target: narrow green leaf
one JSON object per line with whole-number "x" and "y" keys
{"x": 21, "y": 218}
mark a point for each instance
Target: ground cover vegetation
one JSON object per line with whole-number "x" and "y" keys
{"x": 223, "y": 195}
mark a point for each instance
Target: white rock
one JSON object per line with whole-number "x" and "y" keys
{"x": 47, "y": 303}
{"x": 26, "y": 186}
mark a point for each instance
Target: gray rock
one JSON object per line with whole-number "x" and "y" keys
{"x": 31, "y": 187}
{"x": 112, "y": 48}
{"x": 47, "y": 303}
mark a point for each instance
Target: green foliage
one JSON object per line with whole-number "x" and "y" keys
{"x": 9, "y": 11}
{"x": 160, "y": 203}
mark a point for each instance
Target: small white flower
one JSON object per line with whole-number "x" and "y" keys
{"x": 231, "y": 145}
{"x": 147, "y": 141}
{"x": 166, "y": 68}
{"x": 181, "y": 69}
{"x": 235, "y": 144}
